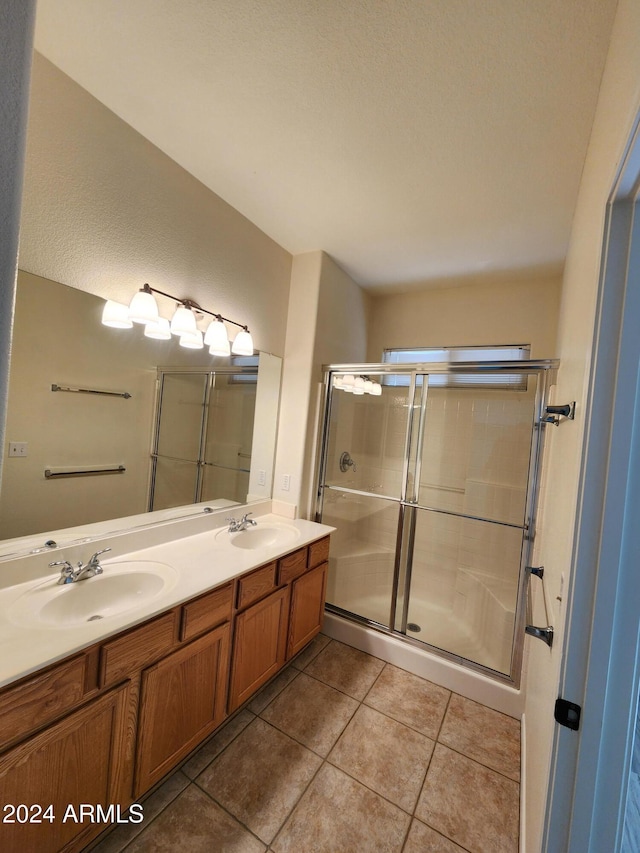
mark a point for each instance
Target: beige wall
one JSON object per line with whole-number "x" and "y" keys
{"x": 58, "y": 339}
{"x": 618, "y": 106}
{"x": 327, "y": 323}
{"x": 105, "y": 211}
{"x": 470, "y": 314}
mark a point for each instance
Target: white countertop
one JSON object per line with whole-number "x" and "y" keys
{"x": 200, "y": 562}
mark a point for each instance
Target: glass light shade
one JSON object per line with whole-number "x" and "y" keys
{"x": 347, "y": 381}
{"x": 216, "y": 338}
{"x": 116, "y": 315}
{"x": 376, "y": 391}
{"x": 143, "y": 308}
{"x": 337, "y": 381}
{"x": 183, "y": 322}
{"x": 358, "y": 385}
{"x": 160, "y": 330}
{"x": 243, "y": 343}
{"x": 192, "y": 340}
{"x": 368, "y": 386}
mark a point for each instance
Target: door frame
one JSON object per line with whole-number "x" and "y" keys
{"x": 590, "y": 768}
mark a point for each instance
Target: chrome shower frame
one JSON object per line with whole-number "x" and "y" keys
{"x": 544, "y": 370}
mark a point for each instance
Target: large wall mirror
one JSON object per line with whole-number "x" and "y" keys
{"x": 199, "y": 445}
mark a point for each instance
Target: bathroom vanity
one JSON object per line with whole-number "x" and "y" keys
{"x": 105, "y": 723}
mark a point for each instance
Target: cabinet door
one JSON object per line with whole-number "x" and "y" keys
{"x": 307, "y": 608}
{"x": 182, "y": 700}
{"x": 76, "y": 761}
{"x": 260, "y": 645}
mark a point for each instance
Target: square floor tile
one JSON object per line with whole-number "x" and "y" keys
{"x": 345, "y": 668}
{"x": 311, "y": 712}
{"x": 470, "y": 804}
{"x": 485, "y": 735}
{"x": 195, "y": 823}
{"x": 338, "y": 815}
{"x": 119, "y": 837}
{"x": 259, "y": 777}
{"x": 423, "y": 839}
{"x": 411, "y": 700}
{"x": 271, "y": 690}
{"x": 214, "y": 746}
{"x": 314, "y": 648}
{"x": 384, "y": 755}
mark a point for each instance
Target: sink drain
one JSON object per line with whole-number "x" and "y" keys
{"x": 93, "y": 618}
{"x": 413, "y": 626}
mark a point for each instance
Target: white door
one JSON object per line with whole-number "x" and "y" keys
{"x": 590, "y": 768}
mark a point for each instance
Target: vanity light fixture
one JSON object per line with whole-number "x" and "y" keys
{"x": 192, "y": 340}
{"x": 143, "y": 309}
{"x": 116, "y": 315}
{"x": 216, "y": 338}
{"x": 160, "y": 331}
{"x": 357, "y": 385}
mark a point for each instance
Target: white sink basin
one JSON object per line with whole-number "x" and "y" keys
{"x": 121, "y": 587}
{"x": 266, "y": 534}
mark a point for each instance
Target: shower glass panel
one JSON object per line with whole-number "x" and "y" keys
{"x": 204, "y": 434}
{"x": 463, "y": 587}
{"x": 175, "y": 483}
{"x": 362, "y": 559}
{"x": 367, "y": 441}
{"x": 431, "y": 486}
{"x": 229, "y": 436}
{"x": 183, "y": 397}
{"x": 476, "y": 450}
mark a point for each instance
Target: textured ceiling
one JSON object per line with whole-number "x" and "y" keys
{"x": 413, "y": 140}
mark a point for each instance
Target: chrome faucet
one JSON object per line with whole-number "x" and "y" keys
{"x": 236, "y": 525}
{"x": 70, "y": 575}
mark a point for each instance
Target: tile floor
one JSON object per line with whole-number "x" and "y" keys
{"x": 342, "y": 753}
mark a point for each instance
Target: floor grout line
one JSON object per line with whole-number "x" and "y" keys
{"x": 324, "y": 760}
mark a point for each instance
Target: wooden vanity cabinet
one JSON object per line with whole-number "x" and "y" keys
{"x": 182, "y": 700}
{"x": 259, "y": 646}
{"x": 307, "y": 608}
{"x": 106, "y": 724}
{"x": 76, "y": 760}
{"x": 275, "y": 628}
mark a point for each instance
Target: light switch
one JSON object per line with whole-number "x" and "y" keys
{"x": 17, "y": 448}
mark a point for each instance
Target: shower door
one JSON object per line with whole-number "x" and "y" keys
{"x": 433, "y": 507}
{"x": 203, "y": 439}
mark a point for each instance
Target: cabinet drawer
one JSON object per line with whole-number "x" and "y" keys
{"x": 31, "y": 704}
{"x": 137, "y": 648}
{"x": 256, "y": 585}
{"x": 318, "y": 552}
{"x": 292, "y": 566}
{"x": 206, "y": 612}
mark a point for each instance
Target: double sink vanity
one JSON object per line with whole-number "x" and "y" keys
{"x": 109, "y": 681}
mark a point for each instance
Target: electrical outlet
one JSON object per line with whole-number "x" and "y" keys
{"x": 262, "y": 477}
{"x": 286, "y": 482}
{"x": 17, "y": 448}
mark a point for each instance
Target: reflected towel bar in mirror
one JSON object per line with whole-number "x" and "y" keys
{"x": 54, "y": 473}
{"x": 125, "y": 394}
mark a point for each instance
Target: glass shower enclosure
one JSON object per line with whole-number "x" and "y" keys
{"x": 431, "y": 484}
{"x": 203, "y": 437}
